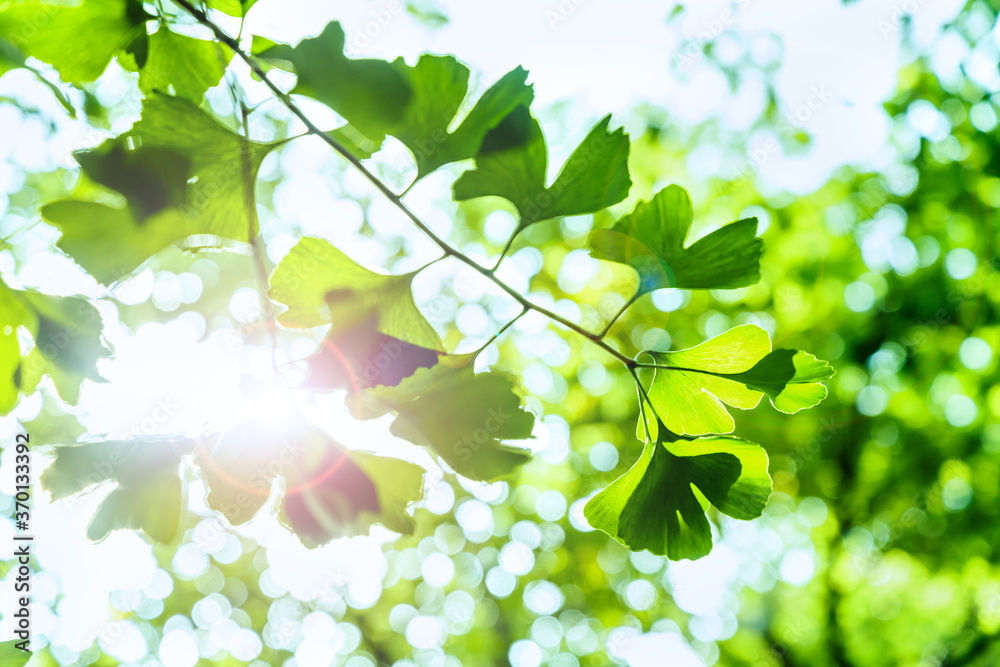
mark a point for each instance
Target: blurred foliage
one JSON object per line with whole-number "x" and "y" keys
{"x": 879, "y": 545}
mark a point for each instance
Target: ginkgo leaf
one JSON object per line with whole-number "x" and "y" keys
{"x": 66, "y": 337}
{"x": 651, "y": 238}
{"x": 362, "y": 357}
{"x": 344, "y": 493}
{"x": 78, "y": 40}
{"x": 329, "y": 491}
{"x": 190, "y": 66}
{"x": 13, "y": 314}
{"x": 790, "y": 378}
{"x": 370, "y": 94}
{"x": 655, "y": 506}
{"x": 110, "y": 243}
{"x": 236, "y": 8}
{"x": 182, "y": 174}
{"x": 439, "y": 85}
{"x": 151, "y": 179}
{"x": 149, "y": 492}
{"x": 11, "y": 655}
{"x": 512, "y": 163}
{"x": 319, "y": 285}
{"x": 463, "y": 417}
{"x": 224, "y": 165}
{"x": 736, "y": 368}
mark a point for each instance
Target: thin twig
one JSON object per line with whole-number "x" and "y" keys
{"x": 502, "y": 329}
{"x": 506, "y": 249}
{"x": 447, "y": 249}
{"x": 621, "y": 311}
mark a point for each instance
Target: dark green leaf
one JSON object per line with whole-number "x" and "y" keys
{"x": 439, "y": 85}
{"x": 370, "y": 94}
{"x": 651, "y": 240}
{"x": 512, "y": 164}
{"x": 654, "y": 505}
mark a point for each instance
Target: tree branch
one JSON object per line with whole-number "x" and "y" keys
{"x": 447, "y": 249}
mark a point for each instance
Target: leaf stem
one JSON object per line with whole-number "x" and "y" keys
{"x": 506, "y": 249}
{"x": 447, "y": 249}
{"x": 502, "y": 329}
{"x": 621, "y": 311}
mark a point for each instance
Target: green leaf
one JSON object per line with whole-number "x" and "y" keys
{"x": 217, "y": 199}
{"x": 736, "y": 368}
{"x": 149, "y": 492}
{"x": 651, "y": 240}
{"x": 77, "y": 40}
{"x": 654, "y": 505}
{"x": 191, "y": 66}
{"x": 181, "y": 173}
{"x": 66, "y": 332}
{"x": 512, "y": 164}
{"x": 370, "y": 94}
{"x": 109, "y": 243}
{"x": 11, "y": 655}
{"x": 151, "y": 179}
{"x": 238, "y": 8}
{"x": 329, "y": 491}
{"x": 439, "y": 85}
{"x": 362, "y": 489}
{"x": 463, "y": 418}
{"x": 10, "y": 57}
{"x": 361, "y": 357}
{"x": 356, "y": 143}
{"x": 13, "y": 314}
{"x": 790, "y": 378}
{"x": 319, "y": 284}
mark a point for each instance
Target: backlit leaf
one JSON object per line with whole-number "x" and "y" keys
{"x": 66, "y": 337}
{"x": 734, "y": 368}
{"x": 78, "y": 40}
{"x": 191, "y": 66}
{"x": 319, "y": 284}
{"x": 654, "y": 505}
{"x": 464, "y": 417}
{"x": 370, "y": 94}
{"x": 439, "y": 85}
{"x": 651, "y": 238}
{"x": 512, "y": 164}
{"x": 181, "y": 173}
{"x": 149, "y": 492}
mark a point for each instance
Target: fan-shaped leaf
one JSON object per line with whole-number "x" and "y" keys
{"x": 512, "y": 164}
{"x": 655, "y": 506}
{"x": 651, "y": 238}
